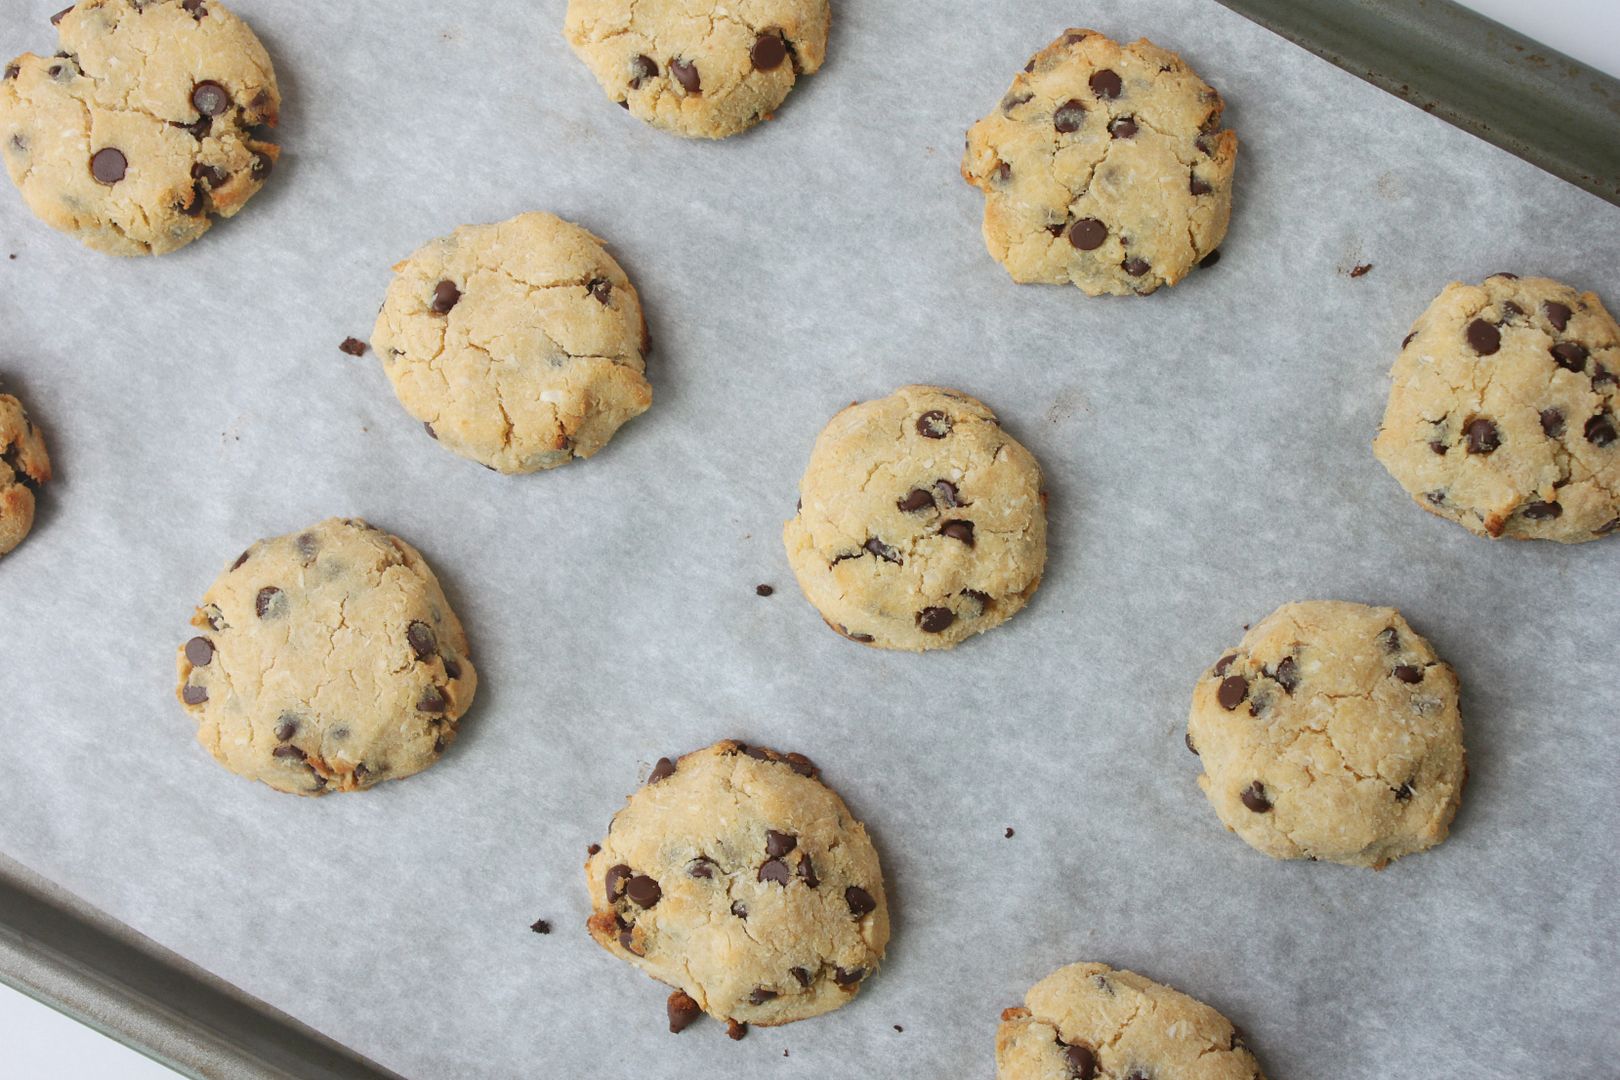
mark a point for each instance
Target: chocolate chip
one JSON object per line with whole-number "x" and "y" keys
{"x": 58, "y": 16}
{"x": 1106, "y": 84}
{"x": 1408, "y": 673}
{"x": 452, "y": 669}
{"x": 1001, "y": 173}
{"x": 1542, "y": 511}
{"x": 1199, "y": 187}
{"x": 1608, "y": 527}
{"x": 289, "y": 751}
{"x": 1390, "y": 639}
{"x": 701, "y": 867}
{"x": 109, "y": 165}
{"x": 760, "y": 996}
{"x": 1557, "y": 314}
{"x": 1082, "y": 1062}
{"x": 686, "y": 73}
{"x": 641, "y": 67}
{"x": 431, "y": 701}
{"x": 739, "y": 909}
{"x": 1404, "y": 792}
{"x": 210, "y": 99}
{"x": 884, "y": 551}
{"x": 1360, "y": 270}
{"x": 860, "y": 901}
{"x": 1232, "y": 691}
{"x": 1600, "y": 430}
{"x": 1188, "y": 739}
{"x": 664, "y": 769}
{"x": 763, "y": 590}
{"x": 946, "y": 492}
{"x": 199, "y": 650}
{"x": 1407, "y": 340}
{"x": 353, "y": 346}
{"x": 1135, "y": 267}
{"x": 1069, "y": 116}
{"x": 682, "y": 1011}
{"x": 768, "y": 52}
{"x": 1482, "y": 436}
{"x": 194, "y": 8}
{"x": 422, "y": 640}
{"x": 1438, "y": 446}
{"x": 848, "y": 978}
{"x": 980, "y": 598}
{"x": 1087, "y": 234}
{"x": 1436, "y": 498}
{"x": 643, "y": 891}
{"x": 286, "y": 727}
{"x": 270, "y": 602}
{"x": 428, "y": 427}
{"x": 1483, "y": 338}
{"x": 262, "y": 164}
{"x": 800, "y": 764}
{"x": 1224, "y": 662}
{"x": 601, "y": 289}
{"x": 736, "y": 1030}
{"x": 193, "y": 695}
{"x": 1287, "y": 674}
{"x": 918, "y": 499}
{"x": 1506, "y": 275}
{"x": 1569, "y": 356}
{"x": 958, "y": 530}
{"x": 627, "y": 939}
{"x": 540, "y": 926}
{"x": 1123, "y": 127}
{"x": 933, "y": 424}
{"x": 774, "y": 870}
{"x": 778, "y": 844}
{"x": 807, "y": 872}
{"x": 934, "y": 620}
{"x": 445, "y": 297}
{"x": 801, "y": 975}
{"x": 1254, "y": 797}
{"x": 12, "y": 71}
{"x": 1601, "y": 376}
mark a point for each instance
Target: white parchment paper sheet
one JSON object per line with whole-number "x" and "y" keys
{"x": 1208, "y": 458}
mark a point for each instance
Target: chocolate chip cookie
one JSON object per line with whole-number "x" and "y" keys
{"x": 24, "y": 469}
{"x": 1504, "y": 415}
{"x": 1331, "y": 732}
{"x": 326, "y": 660}
{"x": 700, "y": 69}
{"x": 738, "y": 877}
{"x": 146, "y": 124}
{"x": 1091, "y": 1022}
{"x": 1104, "y": 166}
{"x": 920, "y": 521}
{"x": 519, "y": 345}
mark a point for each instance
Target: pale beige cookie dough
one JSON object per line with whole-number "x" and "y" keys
{"x": 1091, "y": 1022}
{"x": 144, "y": 126}
{"x": 24, "y": 469}
{"x": 1331, "y": 732}
{"x": 739, "y": 878}
{"x": 920, "y": 521}
{"x": 326, "y": 660}
{"x": 1104, "y": 167}
{"x": 1504, "y": 414}
{"x": 519, "y": 345}
{"x": 698, "y": 67}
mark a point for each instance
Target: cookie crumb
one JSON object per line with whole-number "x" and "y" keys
{"x": 353, "y": 346}
{"x": 763, "y": 590}
{"x": 735, "y": 1030}
{"x": 1009, "y": 834}
{"x": 682, "y": 1011}
{"x": 541, "y": 926}
{"x": 1360, "y": 269}
{"x": 593, "y": 849}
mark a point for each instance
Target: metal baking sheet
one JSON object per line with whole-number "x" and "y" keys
{"x": 1208, "y": 458}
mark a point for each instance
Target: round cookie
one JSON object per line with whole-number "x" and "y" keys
{"x": 144, "y": 126}
{"x": 1104, "y": 166}
{"x": 520, "y": 345}
{"x": 326, "y": 660}
{"x": 1331, "y": 732}
{"x": 738, "y": 877}
{"x": 920, "y": 521}
{"x": 699, "y": 68}
{"x": 1090, "y": 1022}
{"x": 1504, "y": 415}
{"x": 24, "y": 469}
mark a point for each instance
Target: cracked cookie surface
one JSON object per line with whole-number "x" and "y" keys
{"x": 326, "y": 660}
{"x": 25, "y": 468}
{"x": 739, "y": 878}
{"x": 1331, "y": 732}
{"x": 144, "y": 127}
{"x": 1090, "y": 1022}
{"x": 1104, "y": 166}
{"x": 697, "y": 67}
{"x": 920, "y": 522}
{"x": 1504, "y": 413}
{"x": 520, "y": 345}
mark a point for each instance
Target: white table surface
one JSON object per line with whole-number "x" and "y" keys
{"x": 37, "y": 1043}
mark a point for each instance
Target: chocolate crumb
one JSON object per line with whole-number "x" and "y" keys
{"x": 541, "y": 927}
{"x": 1009, "y": 835}
{"x": 1360, "y": 269}
{"x": 735, "y": 1030}
{"x": 897, "y": 1027}
{"x": 353, "y": 346}
{"x": 593, "y": 849}
{"x": 763, "y": 590}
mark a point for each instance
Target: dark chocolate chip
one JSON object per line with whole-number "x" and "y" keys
{"x": 422, "y": 640}
{"x": 269, "y": 603}
{"x": 1069, "y": 116}
{"x": 1135, "y": 267}
{"x": 947, "y": 494}
{"x": 452, "y": 670}
{"x": 1254, "y": 797}
{"x": 194, "y": 695}
{"x": 1188, "y": 740}
{"x": 431, "y": 701}
{"x": 763, "y": 590}
{"x": 934, "y": 424}
{"x": 774, "y": 870}
{"x": 641, "y": 67}
{"x": 682, "y": 1011}
{"x": 801, "y": 975}
{"x": 1287, "y": 674}
{"x": 860, "y": 901}
{"x": 1082, "y": 1062}
{"x": 1601, "y": 376}
{"x": 643, "y": 891}
{"x": 736, "y": 1030}
{"x": 289, "y": 751}
{"x": 1390, "y": 639}
{"x": 1542, "y": 511}
{"x": 686, "y": 73}
{"x": 1552, "y": 423}
{"x": 1087, "y": 234}
{"x": 540, "y": 926}
{"x": 1608, "y": 527}
{"x": 286, "y": 727}
{"x": 1557, "y": 314}
{"x": 759, "y": 996}
{"x": 800, "y": 764}
{"x": 428, "y": 427}
{"x": 848, "y": 978}
{"x": 1224, "y": 662}
{"x": 1569, "y": 356}
{"x": 109, "y": 165}
{"x": 769, "y": 51}
{"x": 212, "y": 175}
{"x": 12, "y": 71}
{"x": 210, "y": 99}
{"x": 1360, "y": 270}
{"x": 934, "y": 620}
{"x": 1123, "y": 127}
{"x": 918, "y": 499}
{"x": 778, "y": 844}
{"x": 664, "y": 769}
{"x": 884, "y": 551}
{"x": 1506, "y": 275}
{"x": 1232, "y": 691}
{"x": 1408, "y": 673}
{"x": 593, "y": 849}
{"x": 262, "y": 164}
{"x": 1437, "y": 446}
{"x": 1483, "y": 338}
{"x": 445, "y": 297}
{"x": 1106, "y": 84}
{"x": 958, "y": 530}
{"x": 701, "y": 867}
{"x": 1407, "y": 340}
{"x": 58, "y": 16}
{"x": 601, "y": 290}
{"x": 1600, "y": 430}
{"x": 1199, "y": 187}
{"x": 1404, "y": 792}
{"x": 194, "y": 8}
{"x": 353, "y": 346}
{"x": 1001, "y": 173}
{"x": 739, "y": 909}
{"x": 199, "y": 650}
{"x": 1483, "y": 437}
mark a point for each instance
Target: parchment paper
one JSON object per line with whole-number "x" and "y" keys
{"x": 1208, "y": 459}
